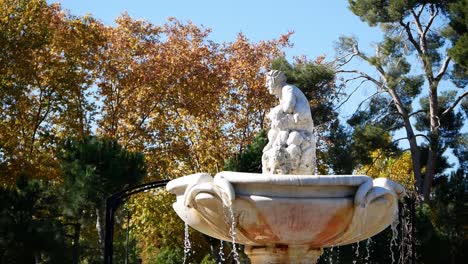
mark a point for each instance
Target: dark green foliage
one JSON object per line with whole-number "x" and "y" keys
{"x": 94, "y": 168}
{"x": 170, "y": 255}
{"x": 317, "y": 82}
{"x": 250, "y": 159}
{"x": 449, "y": 214}
{"x": 450, "y": 125}
{"x": 367, "y": 139}
{"x": 338, "y": 154}
{"x": 30, "y": 228}
{"x": 458, "y": 13}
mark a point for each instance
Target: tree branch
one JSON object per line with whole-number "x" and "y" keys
{"x": 364, "y": 75}
{"x": 357, "y": 87}
{"x": 443, "y": 68}
{"x": 410, "y": 35}
{"x": 431, "y": 19}
{"x": 455, "y": 103}
{"x": 417, "y": 112}
{"x": 421, "y": 9}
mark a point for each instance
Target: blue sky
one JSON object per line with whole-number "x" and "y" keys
{"x": 317, "y": 24}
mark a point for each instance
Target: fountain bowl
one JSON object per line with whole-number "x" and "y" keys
{"x": 272, "y": 211}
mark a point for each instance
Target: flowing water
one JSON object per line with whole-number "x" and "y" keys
{"x": 368, "y": 250}
{"x": 187, "y": 244}
{"x": 221, "y": 252}
{"x": 406, "y": 243}
{"x": 232, "y": 233}
{"x": 394, "y": 240}
{"x": 356, "y": 252}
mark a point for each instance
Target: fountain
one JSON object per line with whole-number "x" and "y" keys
{"x": 287, "y": 214}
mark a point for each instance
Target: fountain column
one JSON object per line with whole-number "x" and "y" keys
{"x": 281, "y": 254}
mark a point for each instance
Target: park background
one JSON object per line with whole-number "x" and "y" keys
{"x": 100, "y": 96}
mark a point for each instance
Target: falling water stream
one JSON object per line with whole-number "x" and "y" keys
{"x": 356, "y": 252}
{"x": 232, "y": 233}
{"x": 221, "y": 252}
{"x": 187, "y": 244}
{"x": 368, "y": 250}
{"x": 393, "y": 241}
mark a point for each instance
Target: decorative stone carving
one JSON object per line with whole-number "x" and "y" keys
{"x": 291, "y": 140}
{"x": 286, "y": 215}
{"x": 279, "y": 216}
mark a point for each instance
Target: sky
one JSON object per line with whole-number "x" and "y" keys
{"x": 317, "y": 25}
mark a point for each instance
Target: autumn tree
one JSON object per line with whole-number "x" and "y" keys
{"x": 184, "y": 100}
{"x": 47, "y": 59}
{"x": 414, "y": 35}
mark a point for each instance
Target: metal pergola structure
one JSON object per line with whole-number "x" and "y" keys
{"x": 113, "y": 203}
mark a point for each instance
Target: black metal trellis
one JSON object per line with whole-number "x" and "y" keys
{"x": 112, "y": 204}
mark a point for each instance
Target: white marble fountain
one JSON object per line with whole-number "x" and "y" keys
{"x": 287, "y": 214}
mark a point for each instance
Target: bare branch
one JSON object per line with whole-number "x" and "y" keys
{"x": 431, "y": 19}
{"x": 410, "y": 35}
{"x": 357, "y": 87}
{"x": 363, "y": 74}
{"x": 347, "y": 60}
{"x": 369, "y": 97}
{"x": 443, "y": 68}
{"x": 455, "y": 103}
{"x": 417, "y": 21}
{"x": 421, "y": 9}
{"x": 417, "y": 112}
{"x": 424, "y": 136}
{"x": 418, "y": 135}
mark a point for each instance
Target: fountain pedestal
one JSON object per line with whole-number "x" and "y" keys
{"x": 283, "y": 254}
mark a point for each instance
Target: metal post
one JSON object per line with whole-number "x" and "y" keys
{"x": 112, "y": 204}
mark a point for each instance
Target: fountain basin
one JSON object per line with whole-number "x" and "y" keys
{"x": 271, "y": 210}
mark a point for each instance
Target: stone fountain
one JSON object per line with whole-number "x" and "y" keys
{"x": 287, "y": 214}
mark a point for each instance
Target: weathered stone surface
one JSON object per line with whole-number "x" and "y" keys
{"x": 308, "y": 210}
{"x": 291, "y": 140}
{"x": 287, "y": 215}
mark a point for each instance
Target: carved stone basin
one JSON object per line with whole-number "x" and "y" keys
{"x": 286, "y": 218}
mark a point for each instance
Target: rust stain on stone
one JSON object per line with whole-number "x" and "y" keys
{"x": 334, "y": 227}
{"x": 259, "y": 232}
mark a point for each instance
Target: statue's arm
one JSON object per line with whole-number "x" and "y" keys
{"x": 288, "y": 100}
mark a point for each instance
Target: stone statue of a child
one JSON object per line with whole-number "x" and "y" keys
{"x": 291, "y": 146}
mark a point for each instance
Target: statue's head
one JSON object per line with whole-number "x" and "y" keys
{"x": 275, "y": 80}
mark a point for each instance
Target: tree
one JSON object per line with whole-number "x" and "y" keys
{"x": 47, "y": 59}
{"x": 94, "y": 168}
{"x": 184, "y": 100}
{"x": 410, "y": 28}
{"x": 30, "y": 226}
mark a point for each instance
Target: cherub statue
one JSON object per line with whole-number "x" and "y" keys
{"x": 291, "y": 146}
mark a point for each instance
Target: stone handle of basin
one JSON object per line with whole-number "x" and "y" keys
{"x": 219, "y": 187}
{"x": 391, "y": 186}
{"x": 361, "y": 193}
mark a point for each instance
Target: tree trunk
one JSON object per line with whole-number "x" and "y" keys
{"x": 100, "y": 227}
{"x": 415, "y": 155}
{"x": 434, "y": 141}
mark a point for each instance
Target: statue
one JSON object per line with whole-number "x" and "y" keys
{"x": 291, "y": 139}
{"x": 284, "y": 218}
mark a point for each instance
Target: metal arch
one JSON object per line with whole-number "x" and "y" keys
{"x": 112, "y": 204}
